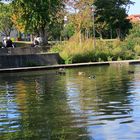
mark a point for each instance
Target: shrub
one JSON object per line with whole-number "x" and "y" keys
{"x": 137, "y": 49}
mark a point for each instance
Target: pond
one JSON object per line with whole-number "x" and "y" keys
{"x": 44, "y": 105}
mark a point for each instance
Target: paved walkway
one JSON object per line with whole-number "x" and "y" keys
{"x": 67, "y": 66}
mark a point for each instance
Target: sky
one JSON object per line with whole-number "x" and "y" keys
{"x": 135, "y": 9}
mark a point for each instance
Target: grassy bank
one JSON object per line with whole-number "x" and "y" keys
{"x": 22, "y": 43}
{"x": 76, "y": 51}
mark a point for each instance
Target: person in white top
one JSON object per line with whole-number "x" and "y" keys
{"x": 37, "y": 41}
{"x": 4, "y": 42}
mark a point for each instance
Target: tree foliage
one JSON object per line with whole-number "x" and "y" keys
{"x": 6, "y": 23}
{"x": 110, "y": 17}
{"x": 46, "y": 17}
{"x": 36, "y": 15}
{"x": 18, "y": 22}
{"x": 113, "y": 12}
{"x": 82, "y": 15}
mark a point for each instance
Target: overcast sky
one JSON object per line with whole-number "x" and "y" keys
{"x": 135, "y": 9}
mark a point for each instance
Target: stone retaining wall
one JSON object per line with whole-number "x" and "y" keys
{"x": 16, "y": 61}
{"x": 23, "y": 50}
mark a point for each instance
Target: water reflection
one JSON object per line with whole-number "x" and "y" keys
{"x": 43, "y": 105}
{"x": 8, "y": 108}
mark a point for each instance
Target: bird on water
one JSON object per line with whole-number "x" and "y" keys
{"x": 61, "y": 71}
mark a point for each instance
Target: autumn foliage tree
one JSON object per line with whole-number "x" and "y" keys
{"x": 15, "y": 17}
{"x": 81, "y": 16}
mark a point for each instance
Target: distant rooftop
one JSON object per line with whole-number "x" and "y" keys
{"x": 134, "y": 18}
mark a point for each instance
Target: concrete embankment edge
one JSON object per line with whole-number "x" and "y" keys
{"x": 21, "y": 69}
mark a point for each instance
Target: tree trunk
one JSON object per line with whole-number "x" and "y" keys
{"x": 80, "y": 38}
{"x": 86, "y": 34}
{"x": 100, "y": 34}
{"x": 111, "y": 36}
{"x": 118, "y": 31}
{"x": 43, "y": 36}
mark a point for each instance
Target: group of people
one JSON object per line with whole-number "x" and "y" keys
{"x": 7, "y": 42}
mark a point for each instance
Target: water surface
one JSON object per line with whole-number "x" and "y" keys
{"x": 43, "y": 105}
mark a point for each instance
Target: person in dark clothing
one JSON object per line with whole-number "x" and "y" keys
{"x": 9, "y": 42}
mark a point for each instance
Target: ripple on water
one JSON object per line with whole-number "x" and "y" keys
{"x": 73, "y": 107}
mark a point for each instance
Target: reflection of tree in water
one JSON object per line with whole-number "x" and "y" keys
{"x": 114, "y": 91}
{"x": 97, "y": 103}
{"x": 62, "y": 107}
{"x": 105, "y": 95}
{"x": 8, "y": 108}
{"x": 44, "y": 110}
{"x": 52, "y": 112}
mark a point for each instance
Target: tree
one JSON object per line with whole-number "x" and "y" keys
{"x": 6, "y": 24}
{"x": 68, "y": 30}
{"x": 37, "y": 15}
{"x": 113, "y": 12}
{"x": 56, "y": 27}
{"x": 101, "y": 26}
{"x": 81, "y": 16}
